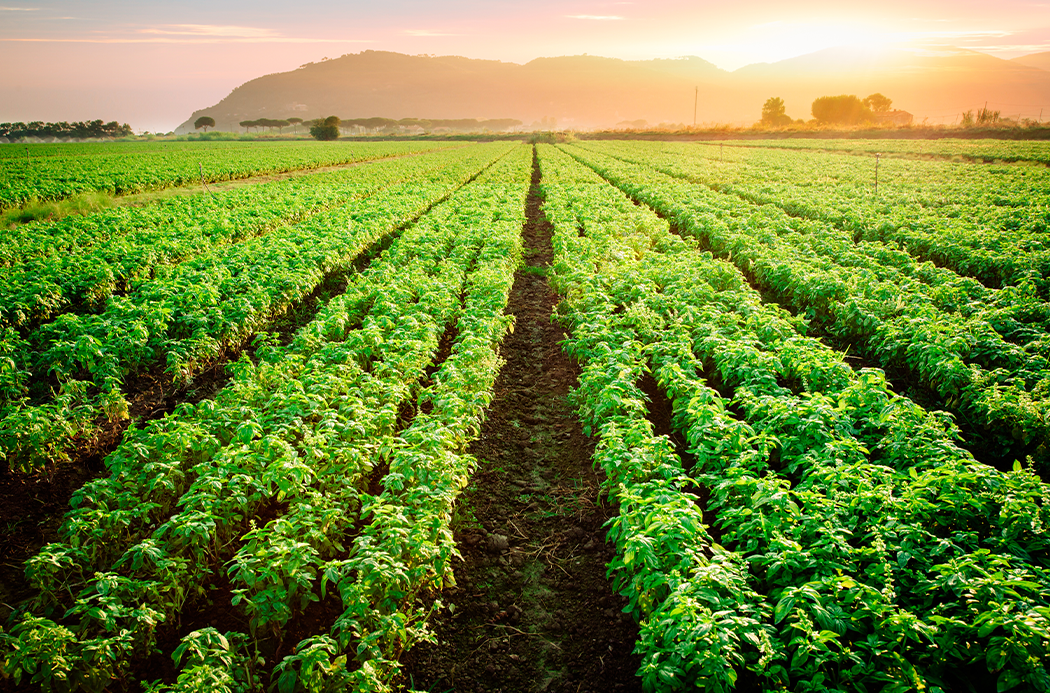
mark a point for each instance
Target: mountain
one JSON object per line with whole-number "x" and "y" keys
{"x": 1038, "y": 60}
{"x": 580, "y": 91}
{"x": 586, "y": 91}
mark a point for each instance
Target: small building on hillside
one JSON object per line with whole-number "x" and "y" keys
{"x": 894, "y": 117}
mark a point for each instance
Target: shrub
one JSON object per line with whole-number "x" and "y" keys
{"x": 325, "y": 130}
{"x": 845, "y": 110}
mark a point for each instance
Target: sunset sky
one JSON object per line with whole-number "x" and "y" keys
{"x": 152, "y": 63}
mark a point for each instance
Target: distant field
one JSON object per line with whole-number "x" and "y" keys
{"x": 31, "y": 172}
{"x": 973, "y": 150}
{"x": 818, "y": 410}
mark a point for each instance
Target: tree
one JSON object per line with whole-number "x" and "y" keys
{"x": 325, "y": 130}
{"x": 270, "y": 123}
{"x": 82, "y": 130}
{"x": 773, "y": 112}
{"x": 375, "y": 122}
{"x": 500, "y": 124}
{"x": 294, "y": 122}
{"x": 878, "y": 103}
{"x": 248, "y": 125}
{"x": 204, "y": 122}
{"x": 840, "y": 110}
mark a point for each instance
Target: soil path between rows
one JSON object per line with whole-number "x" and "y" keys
{"x": 532, "y": 609}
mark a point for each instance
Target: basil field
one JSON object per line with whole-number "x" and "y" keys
{"x": 767, "y": 415}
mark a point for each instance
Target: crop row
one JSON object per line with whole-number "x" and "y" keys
{"x": 308, "y": 430}
{"x": 102, "y": 148}
{"x": 120, "y": 169}
{"x": 1018, "y": 315}
{"x": 76, "y": 233}
{"x": 987, "y": 222}
{"x": 949, "y": 335}
{"x": 192, "y": 312}
{"x": 849, "y": 543}
{"x": 81, "y": 261}
{"x": 947, "y": 148}
{"x": 663, "y": 548}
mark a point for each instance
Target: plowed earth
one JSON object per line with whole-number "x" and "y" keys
{"x": 532, "y": 609}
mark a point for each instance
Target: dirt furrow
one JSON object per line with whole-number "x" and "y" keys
{"x": 532, "y": 609}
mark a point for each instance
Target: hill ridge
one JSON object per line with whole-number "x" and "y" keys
{"x": 586, "y": 91}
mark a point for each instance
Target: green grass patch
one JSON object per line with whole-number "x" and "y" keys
{"x": 82, "y": 203}
{"x": 532, "y": 269}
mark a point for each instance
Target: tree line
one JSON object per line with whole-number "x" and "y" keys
{"x": 376, "y": 124}
{"x": 269, "y": 123}
{"x": 80, "y": 130}
{"x": 464, "y": 124}
{"x": 845, "y": 109}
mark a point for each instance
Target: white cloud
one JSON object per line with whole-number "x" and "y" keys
{"x": 191, "y": 34}
{"x": 934, "y": 35}
{"x": 427, "y": 32}
{"x": 597, "y": 17}
{"x": 211, "y": 30}
{"x": 1023, "y": 48}
{"x": 188, "y": 40}
{"x": 184, "y": 34}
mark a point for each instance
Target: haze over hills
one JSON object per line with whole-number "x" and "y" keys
{"x": 585, "y": 91}
{"x": 1040, "y": 60}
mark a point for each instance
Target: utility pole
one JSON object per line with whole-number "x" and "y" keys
{"x": 696, "y": 97}
{"x": 877, "y": 157}
{"x": 205, "y": 184}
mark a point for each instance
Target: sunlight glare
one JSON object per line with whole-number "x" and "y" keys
{"x": 780, "y": 40}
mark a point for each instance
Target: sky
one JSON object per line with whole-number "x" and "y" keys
{"x": 151, "y": 64}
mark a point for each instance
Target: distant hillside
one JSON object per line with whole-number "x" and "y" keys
{"x": 1039, "y": 60}
{"x": 578, "y": 91}
{"x": 589, "y": 91}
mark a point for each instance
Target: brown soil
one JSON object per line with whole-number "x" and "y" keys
{"x": 31, "y": 510}
{"x": 32, "y": 505}
{"x": 532, "y": 609}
